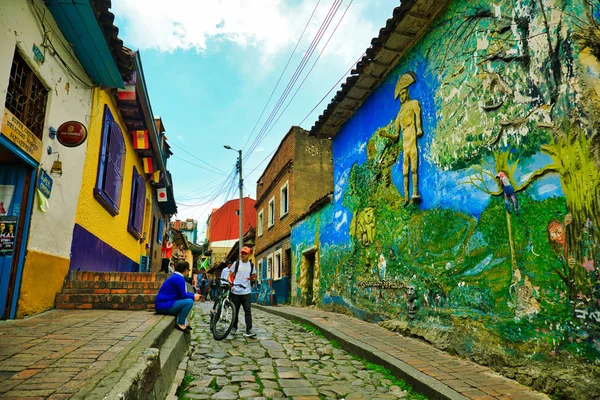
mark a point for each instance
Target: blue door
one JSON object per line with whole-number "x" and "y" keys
{"x": 14, "y": 179}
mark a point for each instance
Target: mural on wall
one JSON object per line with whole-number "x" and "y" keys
{"x": 476, "y": 194}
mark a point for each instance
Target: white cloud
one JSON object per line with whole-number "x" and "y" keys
{"x": 267, "y": 25}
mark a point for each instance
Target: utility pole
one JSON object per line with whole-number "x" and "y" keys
{"x": 241, "y": 213}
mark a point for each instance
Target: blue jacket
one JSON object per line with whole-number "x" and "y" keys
{"x": 171, "y": 290}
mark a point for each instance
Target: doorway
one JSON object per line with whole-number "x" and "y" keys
{"x": 15, "y": 180}
{"x": 308, "y": 270}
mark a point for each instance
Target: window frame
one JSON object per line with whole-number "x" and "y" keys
{"x": 259, "y": 268}
{"x": 286, "y": 187}
{"x": 277, "y": 267}
{"x": 270, "y": 266}
{"x": 271, "y": 213}
{"x": 138, "y": 182}
{"x": 260, "y": 222}
{"x": 111, "y": 131}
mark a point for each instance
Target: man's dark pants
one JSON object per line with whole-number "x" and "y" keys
{"x": 242, "y": 300}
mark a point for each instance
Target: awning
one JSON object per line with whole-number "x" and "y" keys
{"x": 78, "y": 24}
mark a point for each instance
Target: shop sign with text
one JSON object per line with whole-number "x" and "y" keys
{"x": 16, "y": 131}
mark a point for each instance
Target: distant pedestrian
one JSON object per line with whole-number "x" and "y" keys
{"x": 174, "y": 299}
{"x": 214, "y": 284}
{"x": 167, "y": 253}
{"x": 203, "y": 283}
{"x": 243, "y": 277}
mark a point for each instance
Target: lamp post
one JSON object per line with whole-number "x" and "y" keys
{"x": 239, "y": 166}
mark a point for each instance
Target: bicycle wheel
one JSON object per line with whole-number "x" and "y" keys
{"x": 223, "y": 320}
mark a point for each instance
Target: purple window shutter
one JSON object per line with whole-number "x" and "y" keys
{"x": 140, "y": 204}
{"x": 119, "y": 164}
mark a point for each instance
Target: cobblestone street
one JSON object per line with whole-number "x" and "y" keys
{"x": 286, "y": 360}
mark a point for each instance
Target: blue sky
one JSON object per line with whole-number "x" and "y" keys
{"x": 211, "y": 66}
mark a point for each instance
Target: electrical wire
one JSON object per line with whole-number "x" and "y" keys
{"x": 323, "y": 28}
{"x": 332, "y": 88}
{"x": 311, "y": 69}
{"x": 197, "y": 165}
{"x": 283, "y": 72}
{"x": 217, "y": 170}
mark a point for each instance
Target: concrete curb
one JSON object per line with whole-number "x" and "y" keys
{"x": 143, "y": 372}
{"x": 421, "y": 383}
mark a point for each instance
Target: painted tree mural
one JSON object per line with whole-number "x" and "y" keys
{"x": 511, "y": 85}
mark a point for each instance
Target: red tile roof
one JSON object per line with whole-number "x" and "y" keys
{"x": 224, "y": 222}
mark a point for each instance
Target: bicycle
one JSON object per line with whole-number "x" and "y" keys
{"x": 222, "y": 317}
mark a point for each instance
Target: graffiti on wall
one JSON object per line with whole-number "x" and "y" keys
{"x": 476, "y": 192}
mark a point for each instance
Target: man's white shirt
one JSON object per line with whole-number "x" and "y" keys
{"x": 242, "y": 278}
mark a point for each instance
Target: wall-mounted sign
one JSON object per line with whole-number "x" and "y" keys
{"x": 140, "y": 140}
{"x": 71, "y": 134}
{"x": 16, "y": 131}
{"x": 44, "y": 183}
{"x": 38, "y": 56}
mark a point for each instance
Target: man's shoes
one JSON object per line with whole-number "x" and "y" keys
{"x": 250, "y": 334}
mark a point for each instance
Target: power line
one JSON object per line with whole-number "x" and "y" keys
{"x": 198, "y": 158}
{"x": 311, "y": 68}
{"x": 332, "y": 88}
{"x": 282, "y": 72}
{"x": 332, "y": 11}
{"x": 197, "y": 165}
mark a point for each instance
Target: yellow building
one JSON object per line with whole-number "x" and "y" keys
{"x": 116, "y": 225}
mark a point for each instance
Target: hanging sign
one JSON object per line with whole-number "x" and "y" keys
{"x": 44, "y": 183}
{"x": 140, "y": 140}
{"x": 71, "y": 134}
{"x": 16, "y": 131}
{"x": 8, "y": 227}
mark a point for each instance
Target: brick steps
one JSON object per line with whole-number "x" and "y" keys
{"x": 109, "y": 290}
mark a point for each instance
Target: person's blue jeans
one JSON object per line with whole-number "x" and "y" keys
{"x": 180, "y": 309}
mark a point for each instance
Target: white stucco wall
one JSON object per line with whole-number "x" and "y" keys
{"x": 68, "y": 99}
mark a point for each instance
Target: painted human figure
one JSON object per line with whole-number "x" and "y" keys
{"x": 2, "y": 209}
{"x": 411, "y": 302}
{"x": 408, "y": 121}
{"x": 509, "y": 192}
{"x": 381, "y": 266}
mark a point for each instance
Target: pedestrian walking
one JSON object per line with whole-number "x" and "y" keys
{"x": 243, "y": 278}
{"x": 174, "y": 299}
{"x": 214, "y": 284}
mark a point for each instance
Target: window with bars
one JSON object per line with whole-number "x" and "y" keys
{"x": 110, "y": 165}
{"x": 26, "y": 96}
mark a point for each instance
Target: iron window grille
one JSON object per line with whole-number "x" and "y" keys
{"x": 27, "y": 96}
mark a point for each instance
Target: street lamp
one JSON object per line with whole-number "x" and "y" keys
{"x": 239, "y": 167}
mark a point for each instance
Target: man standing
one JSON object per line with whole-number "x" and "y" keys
{"x": 243, "y": 277}
{"x": 408, "y": 121}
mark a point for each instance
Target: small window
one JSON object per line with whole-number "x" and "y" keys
{"x": 270, "y": 267}
{"x": 277, "y": 266}
{"x": 284, "y": 200}
{"x": 137, "y": 204}
{"x": 26, "y": 96}
{"x": 259, "y": 268}
{"x": 259, "y": 223}
{"x": 159, "y": 233}
{"x": 110, "y": 165}
{"x": 271, "y": 215}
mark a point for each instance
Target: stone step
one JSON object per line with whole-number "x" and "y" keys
{"x": 93, "y": 276}
{"x": 106, "y": 287}
{"x": 129, "y": 301}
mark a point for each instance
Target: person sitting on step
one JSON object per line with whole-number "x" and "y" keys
{"x": 174, "y": 299}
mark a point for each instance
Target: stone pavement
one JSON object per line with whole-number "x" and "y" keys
{"x": 431, "y": 371}
{"x": 284, "y": 361}
{"x": 69, "y": 354}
